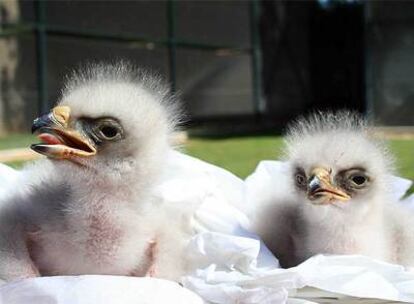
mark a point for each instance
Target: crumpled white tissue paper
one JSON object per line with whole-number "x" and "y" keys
{"x": 358, "y": 276}
{"x": 91, "y": 289}
{"x": 231, "y": 264}
{"x": 8, "y": 177}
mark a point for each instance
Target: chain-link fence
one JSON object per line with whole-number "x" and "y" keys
{"x": 209, "y": 51}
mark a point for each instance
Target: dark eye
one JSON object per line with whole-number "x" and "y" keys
{"x": 354, "y": 179}
{"x": 109, "y": 132}
{"x": 108, "y": 129}
{"x": 359, "y": 180}
{"x": 300, "y": 179}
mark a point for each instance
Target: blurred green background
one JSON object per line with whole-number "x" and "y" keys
{"x": 240, "y": 155}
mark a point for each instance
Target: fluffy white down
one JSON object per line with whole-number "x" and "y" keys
{"x": 370, "y": 223}
{"x": 99, "y": 217}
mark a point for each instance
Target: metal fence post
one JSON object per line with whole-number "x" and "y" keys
{"x": 369, "y": 65}
{"x": 259, "y": 103}
{"x": 41, "y": 54}
{"x": 172, "y": 43}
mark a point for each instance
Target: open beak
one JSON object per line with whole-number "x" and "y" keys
{"x": 321, "y": 190}
{"x": 58, "y": 139}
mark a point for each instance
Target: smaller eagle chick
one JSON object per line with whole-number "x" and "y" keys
{"x": 89, "y": 207}
{"x": 339, "y": 200}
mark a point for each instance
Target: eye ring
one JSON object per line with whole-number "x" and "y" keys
{"x": 358, "y": 180}
{"x": 300, "y": 179}
{"x": 108, "y": 129}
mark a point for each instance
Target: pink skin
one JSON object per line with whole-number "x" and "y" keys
{"x": 52, "y": 140}
{"x": 151, "y": 253}
{"x": 32, "y": 270}
{"x": 148, "y": 268}
{"x": 49, "y": 139}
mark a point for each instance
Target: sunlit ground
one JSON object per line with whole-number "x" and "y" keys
{"x": 241, "y": 155}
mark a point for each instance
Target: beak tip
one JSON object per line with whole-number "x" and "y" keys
{"x": 36, "y": 147}
{"x": 41, "y": 149}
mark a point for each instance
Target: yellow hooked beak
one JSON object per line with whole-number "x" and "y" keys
{"x": 321, "y": 190}
{"x": 58, "y": 139}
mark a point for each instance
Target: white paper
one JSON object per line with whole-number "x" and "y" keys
{"x": 213, "y": 195}
{"x": 8, "y": 177}
{"x": 232, "y": 276}
{"x": 190, "y": 179}
{"x": 265, "y": 183}
{"x": 93, "y": 289}
{"x": 231, "y": 273}
{"x": 231, "y": 264}
{"x": 409, "y": 201}
{"x": 359, "y": 276}
{"x": 399, "y": 187}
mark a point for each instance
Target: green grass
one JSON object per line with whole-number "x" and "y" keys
{"x": 16, "y": 141}
{"x": 241, "y": 155}
{"x": 404, "y": 153}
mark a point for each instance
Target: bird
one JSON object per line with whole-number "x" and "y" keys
{"x": 335, "y": 196}
{"x": 88, "y": 207}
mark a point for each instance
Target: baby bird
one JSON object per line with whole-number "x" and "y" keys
{"x": 88, "y": 208}
{"x": 338, "y": 196}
